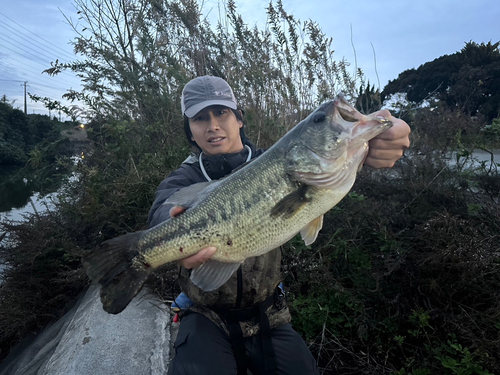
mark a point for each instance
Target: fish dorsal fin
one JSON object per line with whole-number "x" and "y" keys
{"x": 212, "y": 274}
{"x": 310, "y": 232}
{"x": 188, "y": 196}
{"x": 291, "y": 203}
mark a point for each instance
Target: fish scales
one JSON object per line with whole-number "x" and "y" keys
{"x": 253, "y": 210}
{"x": 202, "y": 230}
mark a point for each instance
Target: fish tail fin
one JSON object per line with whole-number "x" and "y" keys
{"x": 116, "y": 265}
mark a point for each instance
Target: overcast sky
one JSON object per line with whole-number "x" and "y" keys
{"x": 404, "y": 34}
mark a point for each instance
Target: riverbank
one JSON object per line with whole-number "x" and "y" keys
{"x": 27, "y": 190}
{"x": 401, "y": 249}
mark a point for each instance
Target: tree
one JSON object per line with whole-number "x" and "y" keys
{"x": 20, "y": 133}
{"x": 468, "y": 80}
{"x": 368, "y": 99}
{"x": 137, "y": 56}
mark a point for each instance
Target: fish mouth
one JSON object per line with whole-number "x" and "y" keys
{"x": 346, "y": 111}
{"x": 364, "y": 126}
{"x": 342, "y": 113}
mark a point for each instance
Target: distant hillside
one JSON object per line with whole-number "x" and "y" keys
{"x": 468, "y": 79}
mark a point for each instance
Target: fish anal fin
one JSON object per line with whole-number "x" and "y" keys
{"x": 291, "y": 203}
{"x": 310, "y": 232}
{"x": 213, "y": 274}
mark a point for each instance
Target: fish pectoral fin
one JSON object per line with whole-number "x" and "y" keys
{"x": 188, "y": 196}
{"x": 310, "y": 232}
{"x": 213, "y": 274}
{"x": 291, "y": 203}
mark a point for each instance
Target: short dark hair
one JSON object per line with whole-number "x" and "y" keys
{"x": 238, "y": 113}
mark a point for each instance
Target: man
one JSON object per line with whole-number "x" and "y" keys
{"x": 245, "y": 323}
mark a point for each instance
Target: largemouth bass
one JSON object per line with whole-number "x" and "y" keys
{"x": 255, "y": 209}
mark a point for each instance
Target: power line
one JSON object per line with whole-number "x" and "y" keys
{"x": 36, "y": 44}
{"x": 17, "y": 46}
{"x": 39, "y": 89}
{"x": 34, "y": 57}
{"x": 31, "y": 42}
{"x": 36, "y": 87}
{"x": 38, "y": 74}
{"x": 31, "y": 32}
{"x": 26, "y": 52}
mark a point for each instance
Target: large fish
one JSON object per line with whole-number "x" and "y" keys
{"x": 250, "y": 212}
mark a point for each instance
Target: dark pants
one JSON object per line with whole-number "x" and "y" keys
{"x": 202, "y": 348}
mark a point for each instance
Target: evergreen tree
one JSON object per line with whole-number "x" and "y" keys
{"x": 468, "y": 80}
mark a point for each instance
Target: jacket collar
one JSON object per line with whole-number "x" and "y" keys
{"x": 214, "y": 167}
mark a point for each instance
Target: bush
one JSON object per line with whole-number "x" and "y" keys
{"x": 404, "y": 275}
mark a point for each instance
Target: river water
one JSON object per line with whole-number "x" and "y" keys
{"x": 22, "y": 194}
{"x": 479, "y": 157}
{"x": 36, "y": 203}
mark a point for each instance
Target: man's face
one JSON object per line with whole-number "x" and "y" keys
{"x": 216, "y": 130}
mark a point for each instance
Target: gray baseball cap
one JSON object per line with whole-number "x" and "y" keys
{"x": 205, "y": 91}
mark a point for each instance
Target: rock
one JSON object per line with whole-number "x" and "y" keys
{"x": 87, "y": 340}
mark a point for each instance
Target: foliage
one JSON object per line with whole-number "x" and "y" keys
{"x": 72, "y": 111}
{"x": 368, "y": 100}
{"x": 468, "y": 80}
{"x": 20, "y": 133}
{"x": 404, "y": 275}
{"x": 137, "y": 56}
{"x": 491, "y": 134}
{"x": 43, "y": 275}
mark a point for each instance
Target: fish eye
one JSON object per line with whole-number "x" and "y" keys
{"x": 319, "y": 117}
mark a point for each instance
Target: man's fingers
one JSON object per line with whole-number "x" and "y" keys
{"x": 400, "y": 130}
{"x": 382, "y": 113}
{"x": 199, "y": 258}
{"x": 385, "y": 154}
{"x": 176, "y": 210}
{"x": 388, "y": 147}
{"x": 396, "y": 144}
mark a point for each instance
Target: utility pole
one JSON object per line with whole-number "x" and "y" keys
{"x": 25, "y": 105}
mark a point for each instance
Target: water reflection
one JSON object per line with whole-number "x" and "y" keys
{"x": 15, "y": 192}
{"x": 36, "y": 203}
{"x": 21, "y": 189}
